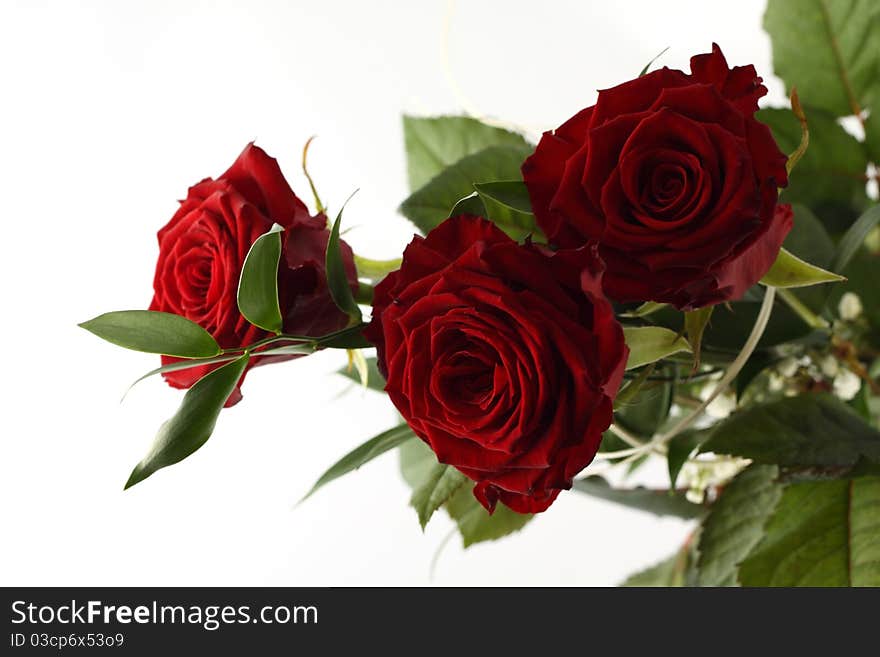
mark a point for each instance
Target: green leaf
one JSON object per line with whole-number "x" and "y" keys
{"x": 351, "y": 338}
{"x": 375, "y": 380}
{"x": 432, "y": 144}
{"x": 790, "y": 271}
{"x": 258, "y": 285}
{"x": 732, "y": 323}
{"x": 735, "y": 524}
{"x": 822, "y": 533}
{"x": 416, "y": 462}
{"x": 194, "y": 421}
{"x": 853, "y": 239}
{"x": 658, "y": 502}
{"x": 648, "y": 344}
{"x": 508, "y": 206}
{"x": 646, "y": 309}
{"x": 472, "y": 204}
{"x": 476, "y": 525}
{"x": 756, "y": 364}
{"x": 828, "y": 49}
{"x": 654, "y": 59}
{"x": 809, "y": 241}
{"x": 831, "y": 170}
{"x": 429, "y": 205}
{"x": 154, "y": 332}
{"x": 811, "y": 429}
{"x": 363, "y": 454}
{"x": 649, "y": 407}
{"x": 679, "y": 450}
{"x": 337, "y": 280}
{"x": 440, "y": 484}
{"x": 695, "y": 322}
{"x": 182, "y": 365}
{"x": 872, "y": 134}
{"x": 289, "y": 350}
{"x": 669, "y": 572}
{"x": 861, "y": 274}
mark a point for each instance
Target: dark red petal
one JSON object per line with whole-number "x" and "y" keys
{"x": 259, "y": 179}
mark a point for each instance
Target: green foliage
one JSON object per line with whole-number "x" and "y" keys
{"x": 822, "y": 533}
{"x": 808, "y": 430}
{"x": 258, "y": 285}
{"x": 648, "y": 344}
{"x": 194, "y": 421}
{"x": 790, "y": 271}
{"x": 832, "y": 170}
{"x": 436, "y": 489}
{"x": 433, "y": 144}
{"x": 429, "y": 205}
{"x": 732, "y": 323}
{"x": 154, "y": 332}
{"x": 695, "y": 322}
{"x": 363, "y": 454}
{"x": 853, "y": 239}
{"x": 872, "y": 133}
{"x": 861, "y": 275}
{"x": 810, "y": 241}
{"x": 476, "y": 525}
{"x": 829, "y": 50}
{"x": 375, "y": 380}
{"x": 507, "y": 204}
{"x": 735, "y": 524}
{"x": 337, "y": 281}
{"x": 658, "y": 502}
{"x": 669, "y": 572}
{"x": 679, "y": 450}
{"x": 649, "y": 407}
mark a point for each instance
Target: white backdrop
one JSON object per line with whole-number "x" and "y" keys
{"x": 109, "y": 111}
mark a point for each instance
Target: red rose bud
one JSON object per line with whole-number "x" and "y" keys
{"x": 675, "y": 180}
{"x": 203, "y": 247}
{"x": 504, "y": 358}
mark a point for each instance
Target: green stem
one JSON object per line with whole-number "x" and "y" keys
{"x": 318, "y": 204}
{"x": 812, "y": 319}
{"x": 375, "y": 269}
{"x": 658, "y": 443}
{"x": 364, "y": 294}
{"x": 285, "y": 337}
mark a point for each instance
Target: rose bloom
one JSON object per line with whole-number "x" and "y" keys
{"x": 676, "y": 181}
{"x": 203, "y": 247}
{"x": 503, "y": 357}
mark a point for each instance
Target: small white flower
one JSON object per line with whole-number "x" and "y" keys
{"x": 695, "y": 495}
{"x": 721, "y": 406}
{"x": 850, "y": 306}
{"x": 829, "y": 366}
{"x": 787, "y": 367}
{"x": 775, "y": 383}
{"x": 846, "y": 385}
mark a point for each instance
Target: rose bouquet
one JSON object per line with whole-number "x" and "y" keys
{"x": 671, "y": 273}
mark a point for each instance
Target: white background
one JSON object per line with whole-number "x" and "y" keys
{"x": 108, "y": 112}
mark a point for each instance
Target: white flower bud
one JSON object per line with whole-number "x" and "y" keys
{"x": 775, "y": 383}
{"x": 695, "y": 495}
{"x": 850, "y": 306}
{"x": 721, "y": 406}
{"x": 787, "y": 367}
{"x": 829, "y": 366}
{"x": 846, "y": 385}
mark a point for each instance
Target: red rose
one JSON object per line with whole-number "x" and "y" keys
{"x": 503, "y": 358}
{"x": 203, "y": 247}
{"x": 675, "y": 180}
